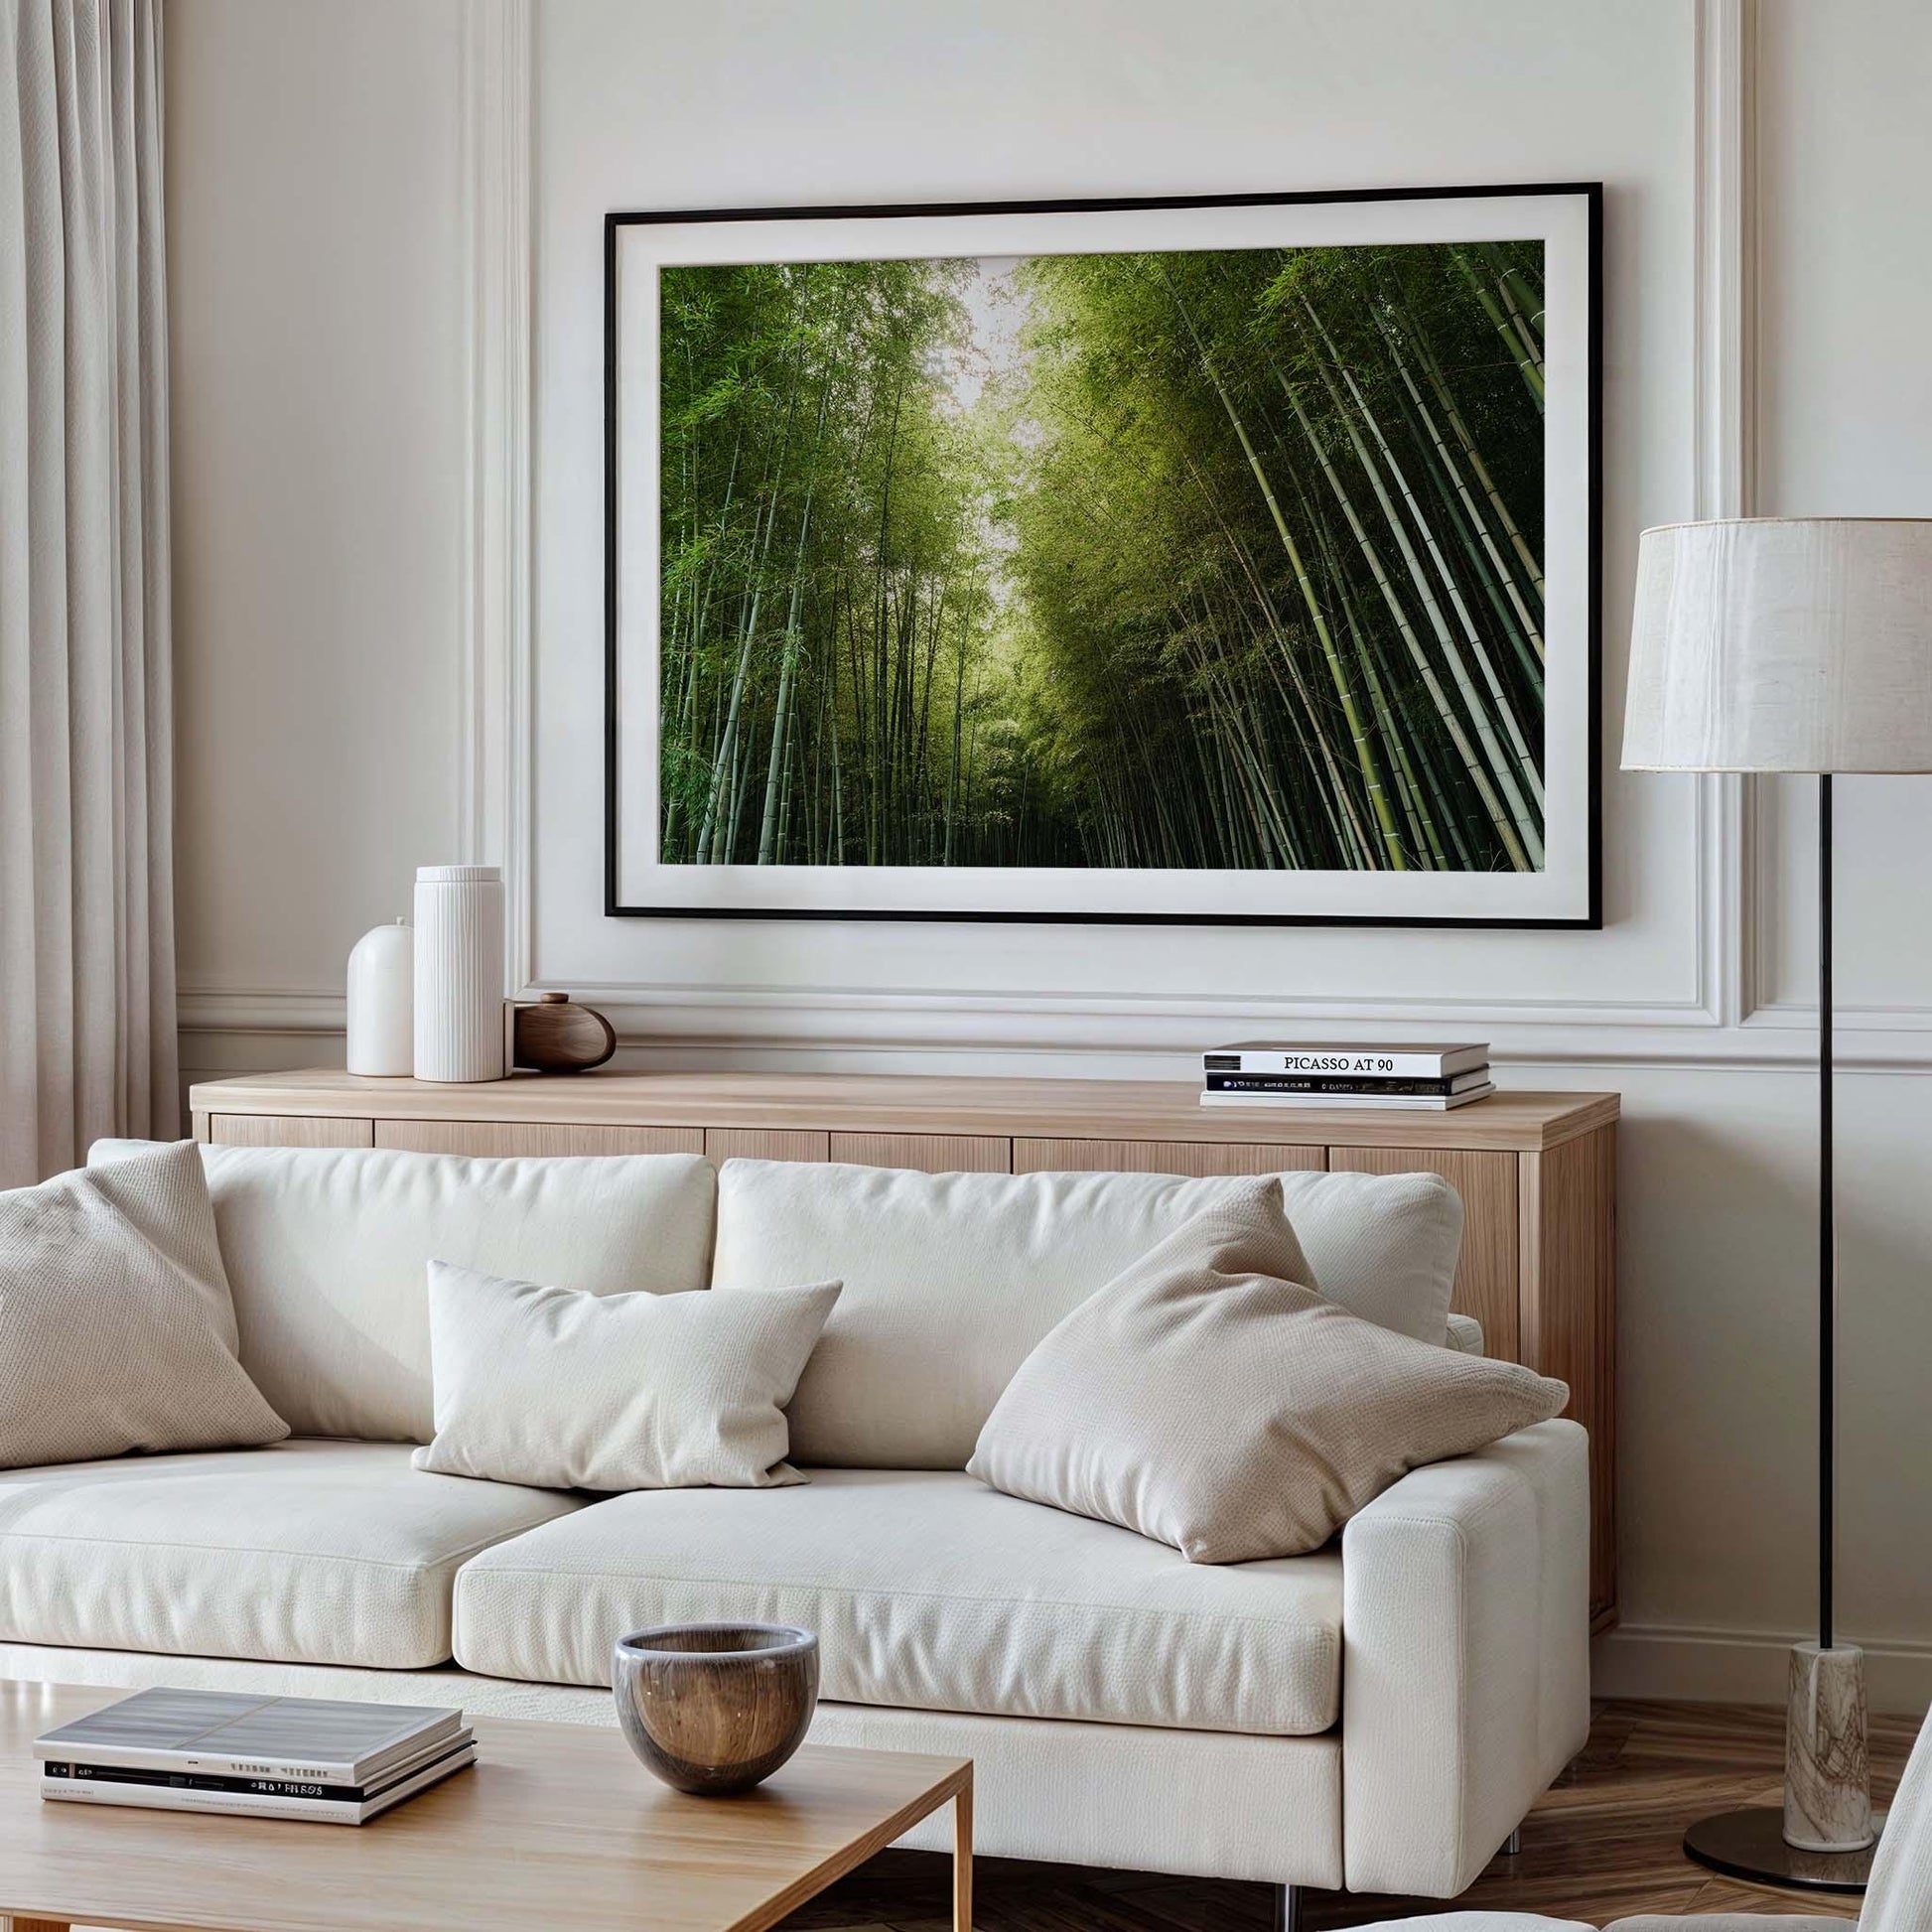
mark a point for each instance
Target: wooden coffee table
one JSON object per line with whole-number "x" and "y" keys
{"x": 556, "y": 1826}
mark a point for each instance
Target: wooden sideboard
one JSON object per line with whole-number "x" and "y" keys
{"x": 1537, "y": 1172}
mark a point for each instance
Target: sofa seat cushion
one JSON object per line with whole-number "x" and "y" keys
{"x": 309, "y": 1551}
{"x": 928, "y": 1591}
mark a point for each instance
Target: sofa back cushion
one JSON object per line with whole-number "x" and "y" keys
{"x": 950, "y": 1279}
{"x": 328, "y": 1253}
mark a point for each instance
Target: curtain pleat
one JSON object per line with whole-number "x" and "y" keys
{"x": 87, "y": 886}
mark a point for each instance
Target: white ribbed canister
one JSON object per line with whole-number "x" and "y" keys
{"x": 459, "y": 973}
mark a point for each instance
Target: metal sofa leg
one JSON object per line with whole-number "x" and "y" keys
{"x": 1287, "y": 1908}
{"x": 1513, "y": 1844}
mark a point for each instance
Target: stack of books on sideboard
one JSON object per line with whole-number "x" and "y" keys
{"x": 1287, "y": 1073}
{"x": 265, "y": 1758}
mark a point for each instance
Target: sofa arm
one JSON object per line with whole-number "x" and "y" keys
{"x": 1465, "y": 1657}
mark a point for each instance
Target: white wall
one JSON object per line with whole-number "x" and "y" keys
{"x": 659, "y": 104}
{"x": 315, "y": 347}
{"x": 1847, "y": 425}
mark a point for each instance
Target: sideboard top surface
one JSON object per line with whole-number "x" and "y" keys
{"x": 907, "y": 1103}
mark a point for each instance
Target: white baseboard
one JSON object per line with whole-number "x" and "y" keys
{"x": 1685, "y": 1665}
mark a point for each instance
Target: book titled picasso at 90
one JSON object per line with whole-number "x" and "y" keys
{"x": 1348, "y": 1060}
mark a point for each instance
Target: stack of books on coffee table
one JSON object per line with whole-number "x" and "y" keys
{"x": 1278, "y": 1073}
{"x": 271, "y": 1757}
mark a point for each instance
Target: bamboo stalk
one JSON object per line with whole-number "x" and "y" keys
{"x": 1473, "y": 766}
{"x": 1421, "y": 832}
{"x": 1478, "y": 562}
{"x": 1438, "y": 383}
{"x": 781, "y": 710}
{"x": 1528, "y": 825}
{"x": 1529, "y": 855}
{"x": 1529, "y": 329}
{"x": 1345, "y": 804}
{"x": 1526, "y": 364}
{"x": 725, "y": 777}
{"x": 1504, "y": 577}
{"x": 1364, "y": 750}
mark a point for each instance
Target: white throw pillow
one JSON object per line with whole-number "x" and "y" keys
{"x": 1207, "y": 1399}
{"x": 328, "y": 1251}
{"x": 951, "y": 1279}
{"x": 558, "y": 1389}
{"x": 116, "y": 1327}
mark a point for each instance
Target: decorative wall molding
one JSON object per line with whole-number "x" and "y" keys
{"x": 494, "y": 777}
{"x": 1724, "y": 405}
{"x": 854, "y": 1020}
{"x": 241, "y": 1010}
{"x": 1727, "y": 42}
{"x": 1802, "y": 1016}
{"x": 763, "y": 1026}
{"x": 1726, "y": 256}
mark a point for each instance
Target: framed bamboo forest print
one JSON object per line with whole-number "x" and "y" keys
{"x": 1218, "y": 560}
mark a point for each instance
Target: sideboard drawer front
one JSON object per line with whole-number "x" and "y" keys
{"x": 289, "y": 1130}
{"x": 1194, "y": 1158}
{"x": 1486, "y": 1276}
{"x": 767, "y": 1144}
{"x": 513, "y": 1137}
{"x": 926, "y": 1153}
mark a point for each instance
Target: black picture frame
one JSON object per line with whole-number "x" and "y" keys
{"x": 1591, "y": 919}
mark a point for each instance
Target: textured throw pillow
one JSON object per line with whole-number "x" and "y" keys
{"x": 117, "y": 1329}
{"x": 560, "y": 1389}
{"x": 1207, "y": 1399}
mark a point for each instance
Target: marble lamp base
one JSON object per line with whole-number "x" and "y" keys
{"x": 1823, "y": 1838}
{"x": 1827, "y": 1765}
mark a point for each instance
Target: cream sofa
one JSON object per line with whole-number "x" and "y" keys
{"x": 1377, "y": 1716}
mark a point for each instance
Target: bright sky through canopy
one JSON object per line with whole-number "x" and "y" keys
{"x": 999, "y": 308}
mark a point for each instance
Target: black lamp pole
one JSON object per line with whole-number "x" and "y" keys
{"x": 1827, "y": 1252}
{"x": 1750, "y": 1843}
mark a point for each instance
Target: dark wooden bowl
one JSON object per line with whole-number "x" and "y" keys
{"x": 715, "y": 1707}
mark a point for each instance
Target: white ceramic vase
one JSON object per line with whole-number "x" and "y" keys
{"x": 459, "y": 1021}
{"x": 381, "y": 1002}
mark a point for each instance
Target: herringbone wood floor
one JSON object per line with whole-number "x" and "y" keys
{"x": 1602, "y": 1843}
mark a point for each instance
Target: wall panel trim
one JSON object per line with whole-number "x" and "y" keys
{"x": 495, "y": 661}
{"x": 504, "y": 782}
{"x": 1724, "y": 357}
{"x": 1025, "y": 1034}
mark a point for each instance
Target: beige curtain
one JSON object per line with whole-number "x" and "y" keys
{"x": 86, "y": 880}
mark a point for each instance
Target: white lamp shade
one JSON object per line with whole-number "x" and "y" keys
{"x": 1782, "y": 644}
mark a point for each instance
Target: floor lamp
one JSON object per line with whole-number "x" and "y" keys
{"x": 1793, "y": 645}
